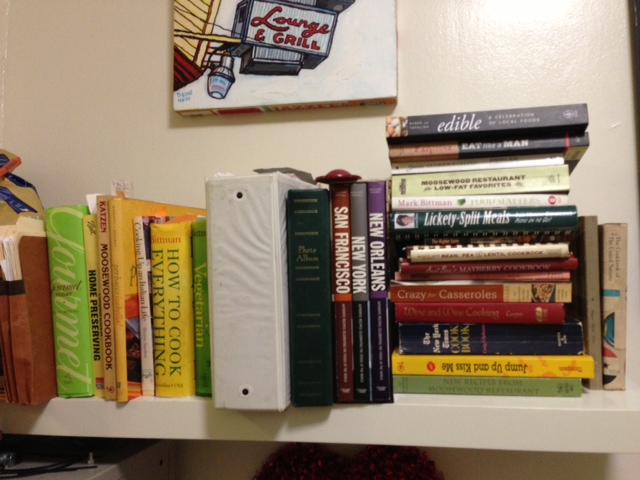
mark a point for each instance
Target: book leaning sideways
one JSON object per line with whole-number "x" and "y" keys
{"x": 573, "y": 118}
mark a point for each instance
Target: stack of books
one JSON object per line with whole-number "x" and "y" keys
{"x": 481, "y": 231}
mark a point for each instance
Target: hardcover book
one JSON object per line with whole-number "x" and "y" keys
{"x": 274, "y": 55}
{"x": 613, "y": 285}
{"x": 480, "y": 292}
{"x": 490, "y": 339}
{"x": 482, "y": 182}
{"x": 499, "y": 386}
{"x": 342, "y": 289}
{"x": 173, "y": 325}
{"x": 246, "y": 217}
{"x": 204, "y": 381}
{"x": 504, "y": 313}
{"x": 538, "y": 366}
{"x": 570, "y": 147}
{"x": 70, "y": 301}
{"x": 436, "y": 166}
{"x": 310, "y": 285}
{"x": 495, "y": 277}
{"x": 381, "y": 383}
{"x": 557, "y": 119}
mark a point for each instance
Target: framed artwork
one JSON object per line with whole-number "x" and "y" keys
{"x": 238, "y": 56}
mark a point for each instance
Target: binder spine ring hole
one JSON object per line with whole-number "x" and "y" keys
{"x": 239, "y": 195}
{"x": 246, "y": 390}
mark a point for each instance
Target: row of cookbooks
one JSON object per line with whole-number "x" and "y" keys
{"x": 499, "y": 286}
{"x": 118, "y": 306}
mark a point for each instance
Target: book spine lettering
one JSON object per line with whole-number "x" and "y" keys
{"x": 508, "y": 313}
{"x": 468, "y": 202}
{"x": 468, "y": 385}
{"x": 493, "y": 221}
{"x": 172, "y": 286}
{"x": 490, "y": 339}
{"x": 342, "y": 290}
{"x": 106, "y": 300}
{"x": 459, "y": 253}
{"x": 545, "y": 366}
{"x": 310, "y": 289}
{"x": 472, "y": 125}
{"x": 499, "y": 181}
{"x": 571, "y": 147}
{"x": 69, "y": 297}
{"x": 381, "y": 381}
{"x": 613, "y": 244}
{"x": 204, "y": 384}
{"x": 487, "y": 293}
{"x": 498, "y": 266}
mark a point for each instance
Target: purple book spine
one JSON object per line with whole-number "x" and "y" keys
{"x": 381, "y": 381}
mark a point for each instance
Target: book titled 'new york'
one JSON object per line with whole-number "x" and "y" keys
{"x": 70, "y": 301}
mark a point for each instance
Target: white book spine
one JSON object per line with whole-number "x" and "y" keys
{"x": 466, "y": 253}
{"x": 434, "y": 166}
{"x": 464, "y": 202}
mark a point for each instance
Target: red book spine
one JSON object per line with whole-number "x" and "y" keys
{"x": 342, "y": 290}
{"x": 542, "y": 265}
{"x": 547, "y": 276}
{"x": 510, "y": 313}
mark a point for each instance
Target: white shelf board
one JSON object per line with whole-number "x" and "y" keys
{"x": 599, "y": 422}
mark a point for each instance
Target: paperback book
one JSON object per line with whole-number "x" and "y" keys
{"x": 538, "y": 366}
{"x": 462, "y": 202}
{"x": 482, "y": 182}
{"x": 558, "y": 119}
{"x": 495, "y": 386}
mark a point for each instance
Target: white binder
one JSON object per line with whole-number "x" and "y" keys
{"x": 247, "y": 257}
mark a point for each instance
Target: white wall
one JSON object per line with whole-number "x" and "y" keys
{"x": 86, "y": 98}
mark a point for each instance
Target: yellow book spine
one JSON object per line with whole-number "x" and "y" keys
{"x": 549, "y": 366}
{"x": 173, "y": 314}
{"x": 106, "y": 299}
{"x": 90, "y": 226}
{"x": 122, "y": 212}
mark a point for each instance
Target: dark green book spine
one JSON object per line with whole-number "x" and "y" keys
{"x": 496, "y": 221}
{"x": 310, "y": 308}
{"x": 201, "y": 308}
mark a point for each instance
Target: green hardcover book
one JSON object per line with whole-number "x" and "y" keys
{"x": 482, "y": 182}
{"x": 70, "y": 301}
{"x": 201, "y": 308}
{"x": 310, "y": 284}
{"x": 464, "y": 385}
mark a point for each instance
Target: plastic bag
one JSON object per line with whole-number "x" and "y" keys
{"x": 17, "y": 196}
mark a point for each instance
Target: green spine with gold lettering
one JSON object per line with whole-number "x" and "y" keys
{"x": 201, "y": 308}
{"x": 70, "y": 301}
{"x": 310, "y": 310}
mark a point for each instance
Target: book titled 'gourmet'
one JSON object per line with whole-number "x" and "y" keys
{"x": 572, "y": 118}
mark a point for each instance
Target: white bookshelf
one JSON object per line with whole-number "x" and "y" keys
{"x": 598, "y": 422}
{"x": 78, "y": 132}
